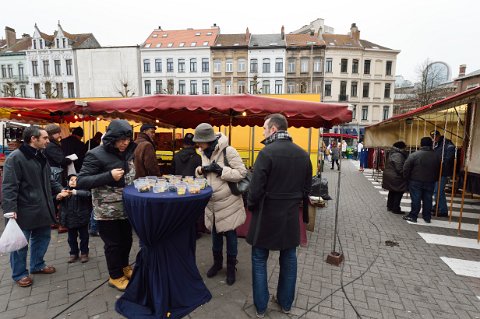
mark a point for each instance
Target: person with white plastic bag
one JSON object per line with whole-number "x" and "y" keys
{"x": 12, "y": 237}
{"x": 28, "y": 193}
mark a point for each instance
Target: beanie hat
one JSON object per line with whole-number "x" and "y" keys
{"x": 52, "y": 129}
{"x": 204, "y": 133}
{"x": 426, "y": 141}
{"x": 78, "y": 131}
{"x": 188, "y": 139}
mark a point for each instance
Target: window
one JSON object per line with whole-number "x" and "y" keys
{"x": 34, "y": 68}
{"x": 253, "y": 87}
{"x": 354, "y": 111}
{"x": 317, "y": 65}
{"x": 328, "y": 65}
{"x": 148, "y": 87}
{"x": 228, "y": 87}
{"x": 41, "y": 43}
{"x": 193, "y": 87}
{"x": 291, "y": 65}
{"x": 328, "y": 88}
{"x": 59, "y": 88}
{"x": 10, "y": 71}
{"x": 68, "y": 64}
{"x": 182, "y": 44}
{"x": 158, "y": 87}
{"x": 217, "y": 65}
{"x": 46, "y": 68}
{"x": 193, "y": 65}
{"x": 205, "y": 87}
{"x": 242, "y": 65}
{"x": 290, "y": 88}
{"x": 366, "y": 88}
{"x": 229, "y": 65}
{"x": 205, "y": 65}
{"x": 48, "y": 90}
{"x": 57, "y": 66}
{"x": 344, "y": 65}
{"x": 366, "y": 68}
{"x": 386, "y": 112}
{"x": 387, "y": 90}
{"x": 253, "y": 66}
{"x": 364, "y": 112}
{"x": 36, "y": 90}
{"x": 266, "y": 66}
{"x": 34, "y": 44}
{"x": 217, "y": 86}
{"x": 193, "y": 44}
{"x": 278, "y": 87}
{"x": 279, "y": 65}
{"x": 181, "y": 87}
{"x": 64, "y": 42}
{"x": 146, "y": 66}
{"x": 23, "y": 91}
{"x": 181, "y": 65}
{"x": 21, "y": 73}
{"x": 169, "y": 65}
{"x": 241, "y": 87}
{"x": 354, "y": 89}
{"x": 343, "y": 91}
{"x": 266, "y": 87}
{"x": 388, "y": 68}
{"x": 158, "y": 65}
{"x": 304, "y": 65}
{"x": 4, "y": 71}
{"x": 355, "y": 66}
{"x": 70, "y": 88}
{"x": 58, "y": 43}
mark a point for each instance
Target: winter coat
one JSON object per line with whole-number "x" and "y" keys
{"x": 224, "y": 210}
{"x": 145, "y": 160}
{"x": 393, "y": 179}
{"x": 448, "y": 156}
{"x": 72, "y": 145}
{"x": 27, "y": 188}
{"x": 107, "y": 194}
{"x": 335, "y": 153}
{"x": 186, "y": 161}
{"x": 282, "y": 177}
{"x": 422, "y": 166}
{"x": 55, "y": 155}
{"x": 75, "y": 210}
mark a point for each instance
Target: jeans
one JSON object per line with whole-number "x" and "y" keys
{"x": 217, "y": 242}
{"x": 39, "y": 239}
{"x": 394, "y": 200}
{"x": 286, "y": 280}
{"x": 117, "y": 237}
{"x": 421, "y": 192}
{"x": 82, "y": 232}
{"x": 93, "y": 224}
{"x": 442, "y": 201}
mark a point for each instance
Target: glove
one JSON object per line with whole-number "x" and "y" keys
{"x": 206, "y": 169}
{"x": 215, "y": 168}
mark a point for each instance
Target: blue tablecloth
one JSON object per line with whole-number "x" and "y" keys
{"x": 165, "y": 278}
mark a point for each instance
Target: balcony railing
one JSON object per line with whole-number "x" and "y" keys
{"x": 342, "y": 97}
{"x": 16, "y": 79}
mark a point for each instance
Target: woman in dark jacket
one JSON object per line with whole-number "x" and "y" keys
{"x": 393, "y": 180}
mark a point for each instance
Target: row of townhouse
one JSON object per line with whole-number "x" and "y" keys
{"x": 313, "y": 59}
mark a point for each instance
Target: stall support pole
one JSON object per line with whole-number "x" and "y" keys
{"x": 463, "y": 199}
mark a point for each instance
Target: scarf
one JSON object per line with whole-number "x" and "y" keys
{"x": 279, "y": 135}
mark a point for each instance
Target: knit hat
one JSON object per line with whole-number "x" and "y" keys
{"x": 188, "y": 139}
{"x": 147, "y": 126}
{"x": 52, "y": 129}
{"x": 204, "y": 133}
{"x": 78, "y": 131}
{"x": 426, "y": 141}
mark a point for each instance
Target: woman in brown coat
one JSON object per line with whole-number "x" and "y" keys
{"x": 225, "y": 211}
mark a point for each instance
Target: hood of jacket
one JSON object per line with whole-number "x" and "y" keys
{"x": 117, "y": 129}
{"x": 186, "y": 154}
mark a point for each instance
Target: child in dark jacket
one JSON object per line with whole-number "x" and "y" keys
{"x": 76, "y": 205}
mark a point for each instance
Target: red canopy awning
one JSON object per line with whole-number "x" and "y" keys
{"x": 187, "y": 111}
{"x": 51, "y": 105}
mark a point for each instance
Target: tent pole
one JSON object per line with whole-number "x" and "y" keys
{"x": 466, "y": 159}
{"x": 463, "y": 199}
{"x": 253, "y": 146}
{"x": 416, "y": 138}
{"x": 320, "y": 156}
{"x": 454, "y": 173}
{"x": 309, "y": 146}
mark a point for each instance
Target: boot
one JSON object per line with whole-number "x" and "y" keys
{"x": 119, "y": 283}
{"x": 217, "y": 264}
{"x": 128, "y": 272}
{"x": 231, "y": 262}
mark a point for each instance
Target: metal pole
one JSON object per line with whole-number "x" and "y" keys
{"x": 309, "y": 147}
{"x": 454, "y": 173}
{"x": 337, "y": 198}
{"x": 253, "y": 146}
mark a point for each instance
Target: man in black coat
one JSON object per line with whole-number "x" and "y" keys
{"x": 393, "y": 179}
{"x": 74, "y": 145}
{"x": 421, "y": 170}
{"x": 28, "y": 193}
{"x": 187, "y": 159}
{"x": 282, "y": 178}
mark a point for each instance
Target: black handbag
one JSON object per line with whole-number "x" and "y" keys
{"x": 240, "y": 187}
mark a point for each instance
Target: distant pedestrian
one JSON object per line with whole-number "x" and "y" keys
{"x": 445, "y": 150}
{"x": 393, "y": 179}
{"x": 344, "y": 149}
{"x": 335, "y": 155}
{"x": 94, "y": 141}
{"x": 359, "y": 149}
{"x": 421, "y": 170}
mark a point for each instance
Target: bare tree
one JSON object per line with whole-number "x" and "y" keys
{"x": 123, "y": 86}
{"x": 49, "y": 91}
{"x": 431, "y": 83}
{"x": 9, "y": 89}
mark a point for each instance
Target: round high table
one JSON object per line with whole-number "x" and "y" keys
{"x": 166, "y": 282}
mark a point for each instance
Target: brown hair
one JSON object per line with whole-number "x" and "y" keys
{"x": 277, "y": 120}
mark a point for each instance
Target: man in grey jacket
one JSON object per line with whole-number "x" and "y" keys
{"x": 28, "y": 192}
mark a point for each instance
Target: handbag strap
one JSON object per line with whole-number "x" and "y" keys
{"x": 225, "y": 160}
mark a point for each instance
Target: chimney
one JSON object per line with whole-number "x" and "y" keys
{"x": 283, "y": 32}
{"x": 25, "y": 35}
{"x": 354, "y": 32}
{"x": 160, "y": 28}
{"x": 247, "y": 35}
{"x": 462, "y": 70}
{"x": 10, "y": 36}
{"x": 215, "y": 26}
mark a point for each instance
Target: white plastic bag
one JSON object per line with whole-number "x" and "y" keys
{"x": 12, "y": 238}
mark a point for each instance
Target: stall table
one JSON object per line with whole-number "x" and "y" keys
{"x": 166, "y": 282}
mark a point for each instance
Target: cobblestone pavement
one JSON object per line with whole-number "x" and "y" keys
{"x": 375, "y": 280}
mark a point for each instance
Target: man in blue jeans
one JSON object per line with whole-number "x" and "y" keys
{"x": 421, "y": 169}
{"x": 282, "y": 178}
{"x": 28, "y": 193}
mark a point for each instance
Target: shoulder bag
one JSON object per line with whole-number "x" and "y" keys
{"x": 240, "y": 187}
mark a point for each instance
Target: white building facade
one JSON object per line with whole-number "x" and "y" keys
{"x": 13, "y": 76}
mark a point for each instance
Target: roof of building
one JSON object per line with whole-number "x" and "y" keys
{"x": 231, "y": 40}
{"x": 2, "y": 43}
{"x": 346, "y": 40}
{"x": 370, "y": 45}
{"x": 469, "y": 75}
{"x": 181, "y": 38}
{"x": 22, "y": 44}
{"x": 267, "y": 40}
{"x": 77, "y": 39}
{"x": 302, "y": 40}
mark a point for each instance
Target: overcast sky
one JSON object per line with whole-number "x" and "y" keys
{"x": 438, "y": 30}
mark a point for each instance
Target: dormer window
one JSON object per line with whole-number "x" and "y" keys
{"x": 41, "y": 44}
{"x": 170, "y": 44}
{"x": 34, "y": 44}
{"x": 64, "y": 42}
{"x": 209, "y": 33}
{"x": 182, "y": 44}
{"x": 205, "y": 43}
{"x": 58, "y": 43}
{"x": 165, "y": 35}
{"x": 158, "y": 45}
{"x": 193, "y": 44}
{"x": 154, "y": 35}
{"x": 197, "y": 34}
{"x": 147, "y": 45}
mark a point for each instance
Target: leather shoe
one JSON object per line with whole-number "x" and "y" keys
{"x": 410, "y": 219}
{"x": 25, "y": 282}
{"x": 72, "y": 259}
{"x": 428, "y": 221}
{"x": 398, "y": 212}
{"x": 84, "y": 258}
{"x": 45, "y": 270}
